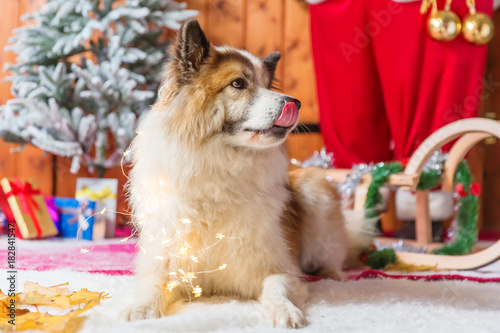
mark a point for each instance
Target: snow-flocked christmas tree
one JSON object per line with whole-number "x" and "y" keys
{"x": 84, "y": 73}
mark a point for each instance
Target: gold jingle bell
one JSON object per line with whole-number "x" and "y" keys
{"x": 444, "y": 25}
{"x": 478, "y": 28}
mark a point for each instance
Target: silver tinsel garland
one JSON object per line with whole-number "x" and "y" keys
{"x": 324, "y": 160}
{"x": 320, "y": 159}
{"x": 436, "y": 162}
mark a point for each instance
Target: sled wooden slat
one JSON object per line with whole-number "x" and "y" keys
{"x": 447, "y": 134}
{"x": 468, "y": 261}
{"x": 423, "y": 226}
{"x": 400, "y": 179}
{"x": 457, "y": 154}
{"x": 403, "y": 179}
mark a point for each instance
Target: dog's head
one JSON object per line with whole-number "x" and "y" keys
{"x": 225, "y": 93}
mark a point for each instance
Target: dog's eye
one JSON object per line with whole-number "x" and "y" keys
{"x": 239, "y": 84}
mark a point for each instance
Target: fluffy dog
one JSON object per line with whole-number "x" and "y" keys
{"x": 211, "y": 155}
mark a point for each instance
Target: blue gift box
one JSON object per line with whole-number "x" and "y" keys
{"x": 74, "y": 214}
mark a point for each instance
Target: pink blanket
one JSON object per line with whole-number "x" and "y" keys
{"x": 111, "y": 259}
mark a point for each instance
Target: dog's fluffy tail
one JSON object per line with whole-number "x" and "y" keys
{"x": 361, "y": 232}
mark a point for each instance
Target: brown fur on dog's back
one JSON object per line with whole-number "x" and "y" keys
{"x": 313, "y": 181}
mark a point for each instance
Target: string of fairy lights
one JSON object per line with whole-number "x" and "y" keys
{"x": 176, "y": 247}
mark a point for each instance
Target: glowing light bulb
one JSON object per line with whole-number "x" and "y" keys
{"x": 183, "y": 250}
{"x": 125, "y": 239}
{"x": 197, "y": 291}
{"x": 171, "y": 285}
{"x": 188, "y": 277}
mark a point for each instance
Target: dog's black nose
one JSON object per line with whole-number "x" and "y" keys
{"x": 294, "y": 100}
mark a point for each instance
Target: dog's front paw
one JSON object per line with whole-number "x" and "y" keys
{"x": 140, "y": 312}
{"x": 286, "y": 315}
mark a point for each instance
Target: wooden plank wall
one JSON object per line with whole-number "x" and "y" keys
{"x": 32, "y": 162}
{"x": 260, "y": 26}
{"x": 491, "y": 149}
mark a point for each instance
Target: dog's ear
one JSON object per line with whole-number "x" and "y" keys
{"x": 271, "y": 61}
{"x": 192, "y": 46}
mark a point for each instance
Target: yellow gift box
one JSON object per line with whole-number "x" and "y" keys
{"x": 28, "y": 207}
{"x": 104, "y": 192}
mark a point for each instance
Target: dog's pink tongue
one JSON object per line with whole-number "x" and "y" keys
{"x": 289, "y": 115}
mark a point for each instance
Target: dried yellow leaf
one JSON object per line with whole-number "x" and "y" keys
{"x": 5, "y": 311}
{"x": 34, "y": 298}
{"x": 83, "y": 296}
{"x": 61, "y": 301}
{"x": 47, "y": 291}
{"x": 35, "y": 294}
{"x": 22, "y": 323}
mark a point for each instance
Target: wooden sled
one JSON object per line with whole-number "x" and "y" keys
{"x": 471, "y": 131}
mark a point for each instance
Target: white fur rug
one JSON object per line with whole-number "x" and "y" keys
{"x": 379, "y": 305}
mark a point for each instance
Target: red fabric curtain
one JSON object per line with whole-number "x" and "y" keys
{"x": 383, "y": 84}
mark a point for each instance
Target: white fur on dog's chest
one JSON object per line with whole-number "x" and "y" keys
{"x": 238, "y": 194}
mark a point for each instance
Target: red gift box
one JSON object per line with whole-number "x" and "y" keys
{"x": 26, "y": 206}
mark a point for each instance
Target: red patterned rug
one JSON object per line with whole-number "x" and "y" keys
{"x": 111, "y": 257}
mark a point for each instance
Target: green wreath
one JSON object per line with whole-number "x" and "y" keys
{"x": 468, "y": 204}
